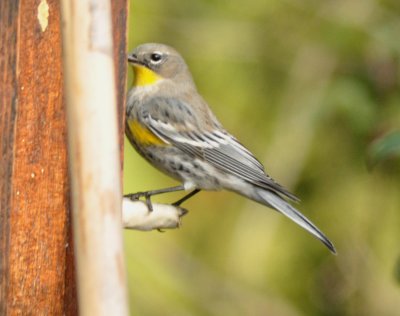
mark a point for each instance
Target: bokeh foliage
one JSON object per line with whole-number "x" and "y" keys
{"x": 308, "y": 86}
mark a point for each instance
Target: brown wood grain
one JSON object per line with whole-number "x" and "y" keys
{"x": 40, "y": 201}
{"x": 34, "y": 201}
{"x": 119, "y": 21}
{"x": 8, "y": 105}
{"x": 36, "y": 255}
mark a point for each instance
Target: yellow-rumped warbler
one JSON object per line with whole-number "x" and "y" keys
{"x": 172, "y": 127}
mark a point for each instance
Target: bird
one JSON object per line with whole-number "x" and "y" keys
{"x": 172, "y": 127}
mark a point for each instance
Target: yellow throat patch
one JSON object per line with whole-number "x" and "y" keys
{"x": 144, "y": 76}
{"x": 142, "y": 135}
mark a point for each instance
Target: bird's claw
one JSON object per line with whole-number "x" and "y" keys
{"x": 136, "y": 196}
{"x": 148, "y": 203}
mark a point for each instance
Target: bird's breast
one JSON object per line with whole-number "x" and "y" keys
{"x": 142, "y": 135}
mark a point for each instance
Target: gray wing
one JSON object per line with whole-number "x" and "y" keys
{"x": 176, "y": 123}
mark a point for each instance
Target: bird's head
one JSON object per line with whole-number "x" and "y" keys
{"x": 154, "y": 62}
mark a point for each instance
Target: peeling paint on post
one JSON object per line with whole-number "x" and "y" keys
{"x": 43, "y": 15}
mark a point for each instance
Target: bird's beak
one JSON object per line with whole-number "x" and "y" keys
{"x": 132, "y": 58}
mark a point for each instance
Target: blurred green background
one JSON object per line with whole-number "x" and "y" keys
{"x": 312, "y": 88}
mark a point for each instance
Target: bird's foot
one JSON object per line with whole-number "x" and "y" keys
{"x": 136, "y": 196}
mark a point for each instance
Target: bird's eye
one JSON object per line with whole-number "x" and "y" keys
{"x": 155, "y": 58}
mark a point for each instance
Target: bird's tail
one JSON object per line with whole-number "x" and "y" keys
{"x": 273, "y": 200}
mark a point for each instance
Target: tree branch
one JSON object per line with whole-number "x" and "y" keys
{"x": 135, "y": 215}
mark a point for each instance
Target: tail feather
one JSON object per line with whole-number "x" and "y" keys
{"x": 275, "y": 201}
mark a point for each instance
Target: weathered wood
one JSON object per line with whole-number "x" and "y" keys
{"x": 34, "y": 189}
{"x": 94, "y": 156}
{"x": 119, "y": 21}
{"x": 36, "y": 253}
{"x": 8, "y": 108}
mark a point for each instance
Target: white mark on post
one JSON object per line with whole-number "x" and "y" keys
{"x": 43, "y": 15}
{"x": 100, "y": 34}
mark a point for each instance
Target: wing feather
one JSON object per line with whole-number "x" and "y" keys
{"x": 216, "y": 146}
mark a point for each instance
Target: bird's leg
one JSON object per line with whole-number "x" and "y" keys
{"x": 137, "y": 195}
{"x": 186, "y": 197}
{"x": 149, "y": 194}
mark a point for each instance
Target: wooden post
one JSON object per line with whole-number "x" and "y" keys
{"x": 94, "y": 156}
{"x": 34, "y": 209}
{"x": 36, "y": 261}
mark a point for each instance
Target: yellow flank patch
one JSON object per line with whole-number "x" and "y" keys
{"x": 142, "y": 135}
{"x": 144, "y": 76}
